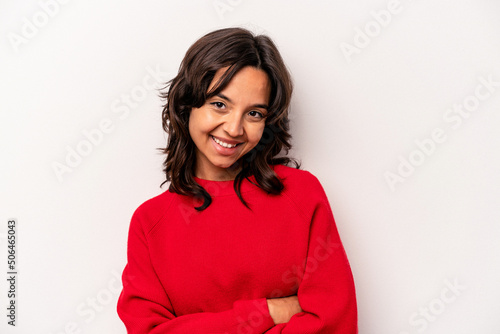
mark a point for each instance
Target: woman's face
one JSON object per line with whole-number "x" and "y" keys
{"x": 229, "y": 124}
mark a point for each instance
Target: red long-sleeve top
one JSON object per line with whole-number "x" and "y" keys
{"x": 211, "y": 271}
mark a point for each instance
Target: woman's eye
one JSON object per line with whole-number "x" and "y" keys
{"x": 256, "y": 114}
{"x": 218, "y": 105}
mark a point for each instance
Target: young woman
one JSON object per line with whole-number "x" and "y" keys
{"x": 240, "y": 242}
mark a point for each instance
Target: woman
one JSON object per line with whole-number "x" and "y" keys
{"x": 240, "y": 242}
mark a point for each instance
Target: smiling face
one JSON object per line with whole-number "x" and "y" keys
{"x": 229, "y": 124}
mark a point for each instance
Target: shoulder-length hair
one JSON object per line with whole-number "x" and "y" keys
{"x": 234, "y": 48}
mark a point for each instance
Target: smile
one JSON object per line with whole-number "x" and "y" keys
{"x": 223, "y": 144}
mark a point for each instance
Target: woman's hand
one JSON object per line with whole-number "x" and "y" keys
{"x": 282, "y": 309}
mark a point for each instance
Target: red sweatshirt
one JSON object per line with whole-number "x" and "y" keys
{"x": 211, "y": 271}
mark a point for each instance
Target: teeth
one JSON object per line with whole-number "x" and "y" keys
{"x": 221, "y": 143}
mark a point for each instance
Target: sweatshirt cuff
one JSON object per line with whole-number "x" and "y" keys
{"x": 253, "y": 315}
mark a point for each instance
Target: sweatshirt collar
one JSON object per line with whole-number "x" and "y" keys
{"x": 224, "y": 188}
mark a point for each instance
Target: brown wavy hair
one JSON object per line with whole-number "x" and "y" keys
{"x": 234, "y": 48}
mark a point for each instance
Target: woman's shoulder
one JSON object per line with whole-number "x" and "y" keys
{"x": 298, "y": 180}
{"x": 292, "y": 174}
{"x": 154, "y": 209}
{"x": 302, "y": 188}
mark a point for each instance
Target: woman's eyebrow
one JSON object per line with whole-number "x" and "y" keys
{"x": 224, "y": 97}
{"x": 258, "y": 105}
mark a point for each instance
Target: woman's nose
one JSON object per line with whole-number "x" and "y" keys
{"x": 233, "y": 125}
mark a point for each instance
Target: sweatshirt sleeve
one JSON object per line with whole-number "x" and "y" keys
{"x": 144, "y": 306}
{"x": 326, "y": 293}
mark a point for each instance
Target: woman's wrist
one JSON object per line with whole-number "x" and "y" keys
{"x": 283, "y": 309}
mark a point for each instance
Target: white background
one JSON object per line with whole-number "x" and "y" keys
{"x": 353, "y": 119}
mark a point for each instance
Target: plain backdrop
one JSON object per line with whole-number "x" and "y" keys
{"x": 395, "y": 110}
